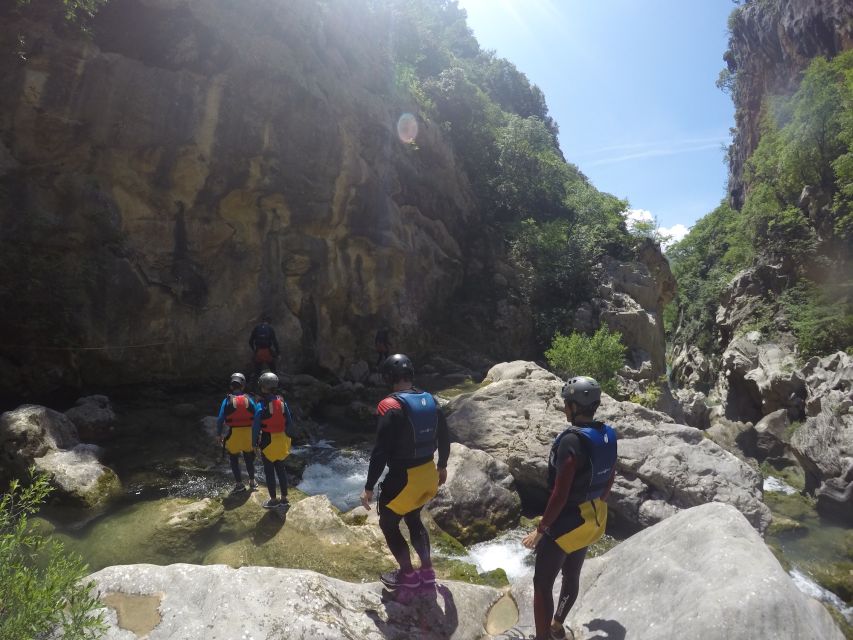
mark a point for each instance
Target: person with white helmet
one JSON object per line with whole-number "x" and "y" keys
{"x": 270, "y": 435}
{"x": 238, "y": 411}
{"x": 581, "y": 469}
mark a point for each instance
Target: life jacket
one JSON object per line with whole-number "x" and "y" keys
{"x": 421, "y": 411}
{"x": 274, "y": 416}
{"x": 599, "y": 443}
{"x": 237, "y": 411}
{"x": 263, "y": 336}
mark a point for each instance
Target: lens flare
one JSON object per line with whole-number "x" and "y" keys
{"x": 407, "y": 128}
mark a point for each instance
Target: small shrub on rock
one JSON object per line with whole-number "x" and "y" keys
{"x": 599, "y": 356}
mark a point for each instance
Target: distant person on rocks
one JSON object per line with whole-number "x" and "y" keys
{"x": 270, "y": 435}
{"x": 581, "y": 469}
{"x": 264, "y": 346}
{"x": 411, "y": 426}
{"x": 382, "y": 344}
{"x": 238, "y": 411}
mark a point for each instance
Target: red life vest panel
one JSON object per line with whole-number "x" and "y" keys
{"x": 274, "y": 420}
{"x": 237, "y": 411}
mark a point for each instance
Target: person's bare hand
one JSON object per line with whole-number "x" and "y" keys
{"x": 366, "y": 498}
{"x": 442, "y": 476}
{"x": 531, "y": 539}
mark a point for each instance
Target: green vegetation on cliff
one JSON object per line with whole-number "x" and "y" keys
{"x": 556, "y": 224}
{"x": 797, "y": 213}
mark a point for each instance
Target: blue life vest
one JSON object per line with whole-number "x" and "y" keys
{"x": 421, "y": 410}
{"x": 599, "y": 443}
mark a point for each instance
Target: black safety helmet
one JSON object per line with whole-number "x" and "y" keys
{"x": 268, "y": 381}
{"x": 583, "y": 391}
{"x": 396, "y": 368}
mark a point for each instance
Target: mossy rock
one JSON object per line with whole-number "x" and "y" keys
{"x": 782, "y": 525}
{"x": 796, "y": 506}
{"x": 452, "y": 569}
{"x": 788, "y": 472}
{"x": 602, "y": 546}
{"x": 838, "y": 578}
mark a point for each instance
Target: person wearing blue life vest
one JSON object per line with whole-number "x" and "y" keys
{"x": 411, "y": 427}
{"x": 238, "y": 411}
{"x": 270, "y": 434}
{"x": 581, "y": 469}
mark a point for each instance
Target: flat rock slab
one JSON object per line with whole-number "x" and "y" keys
{"x": 702, "y": 574}
{"x": 218, "y": 602}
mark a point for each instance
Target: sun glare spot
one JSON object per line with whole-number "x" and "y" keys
{"x": 407, "y": 128}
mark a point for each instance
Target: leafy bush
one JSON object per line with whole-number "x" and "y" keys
{"x": 599, "y": 356}
{"x": 648, "y": 398}
{"x": 822, "y": 318}
{"x": 40, "y": 583}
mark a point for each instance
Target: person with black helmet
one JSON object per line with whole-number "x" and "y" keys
{"x": 411, "y": 427}
{"x": 237, "y": 411}
{"x": 264, "y": 346}
{"x": 270, "y": 435}
{"x": 581, "y": 469}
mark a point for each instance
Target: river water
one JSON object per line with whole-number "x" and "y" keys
{"x": 159, "y": 458}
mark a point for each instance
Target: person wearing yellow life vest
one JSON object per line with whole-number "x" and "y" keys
{"x": 270, "y": 435}
{"x": 411, "y": 428}
{"x": 237, "y": 412}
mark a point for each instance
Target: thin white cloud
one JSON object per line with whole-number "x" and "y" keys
{"x": 651, "y": 153}
{"x": 670, "y": 144}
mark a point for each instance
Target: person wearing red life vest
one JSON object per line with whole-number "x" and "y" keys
{"x": 237, "y": 412}
{"x": 270, "y": 435}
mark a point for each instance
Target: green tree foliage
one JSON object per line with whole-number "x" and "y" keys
{"x": 806, "y": 141}
{"x": 821, "y": 317}
{"x": 599, "y": 356}
{"x": 41, "y": 588}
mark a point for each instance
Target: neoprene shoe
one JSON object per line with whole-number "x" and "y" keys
{"x": 397, "y": 579}
{"x": 253, "y": 486}
{"x": 427, "y": 576}
{"x": 558, "y": 633}
{"x": 238, "y": 488}
{"x": 272, "y": 503}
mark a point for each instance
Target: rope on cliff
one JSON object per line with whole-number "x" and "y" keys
{"x": 126, "y": 346}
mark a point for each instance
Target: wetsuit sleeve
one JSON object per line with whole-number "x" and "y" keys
{"x": 567, "y": 462}
{"x": 256, "y": 423}
{"x": 252, "y": 339}
{"x": 289, "y": 418}
{"x": 274, "y": 340}
{"x": 220, "y": 420}
{"x": 388, "y": 409}
{"x": 443, "y": 440}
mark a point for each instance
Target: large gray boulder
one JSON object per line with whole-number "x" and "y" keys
{"x": 479, "y": 498}
{"x": 663, "y": 467}
{"x": 758, "y": 378}
{"x": 191, "y": 601}
{"x": 32, "y": 435}
{"x": 94, "y": 417}
{"x": 703, "y": 574}
{"x": 823, "y": 444}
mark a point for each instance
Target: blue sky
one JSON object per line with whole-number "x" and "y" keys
{"x": 631, "y": 85}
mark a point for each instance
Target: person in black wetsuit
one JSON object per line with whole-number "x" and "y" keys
{"x": 264, "y": 345}
{"x": 411, "y": 427}
{"x": 270, "y": 435}
{"x": 581, "y": 469}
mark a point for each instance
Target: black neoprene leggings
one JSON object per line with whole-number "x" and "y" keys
{"x": 271, "y": 470}
{"x": 550, "y": 560}
{"x": 249, "y": 459}
{"x": 389, "y": 522}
